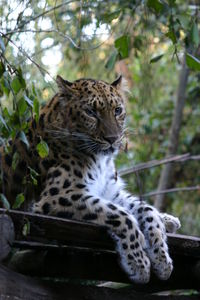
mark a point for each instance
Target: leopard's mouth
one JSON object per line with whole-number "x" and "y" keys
{"x": 111, "y": 149}
{"x": 91, "y": 145}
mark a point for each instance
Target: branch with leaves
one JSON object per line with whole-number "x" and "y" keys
{"x": 41, "y": 69}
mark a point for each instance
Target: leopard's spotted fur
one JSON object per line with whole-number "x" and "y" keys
{"x": 83, "y": 126}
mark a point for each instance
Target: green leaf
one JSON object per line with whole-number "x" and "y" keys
{"x": 156, "y": 5}
{"x": 15, "y": 160}
{"x": 184, "y": 20}
{"x": 111, "y": 61}
{"x": 42, "y": 149}
{"x": 22, "y": 106}
{"x": 171, "y": 2}
{"x": 33, "y": 172}
{"x": 34, "y": 90}
{"x": 195, "y": 34}
{"x": 19, "y": 201}
{"x": 23, "y": 138}
{"x": 156, "y": 58}
{"x": 28, "y": 101}
{"x": 34, "y": 180}
{"x": 36, "y": 107}
{"x": 192, "y": 62}
{"x": 4, "y": 201}
{"x": 122, "y": 45}
{"x": 6, "y": 112}
{"x": 16, "y": 85}
{"x": 2, "y": 45}
{"x": 33, "y": 175}
{"x": 5, "y": 84}
{"x": 108, "y": 17}
{"x": 171, "y": 34}
{"x": 21, "y": 79}
{"x": 26, "y": 228}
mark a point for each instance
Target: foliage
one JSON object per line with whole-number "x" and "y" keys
{"x": 91, "y": 39}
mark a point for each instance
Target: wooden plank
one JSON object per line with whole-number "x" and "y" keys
{"x": 16, "y": 286}
{"x": 69, "y": 262}
{"x": 179, "y": 244}
{"x": 92, "y": 264}
{"x": 184, "y": 244}
{"x": 81, "y": 250}
{"x": 51, "y": 229}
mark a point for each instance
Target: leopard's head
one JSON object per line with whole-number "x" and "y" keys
{"x": 90, "y": 113}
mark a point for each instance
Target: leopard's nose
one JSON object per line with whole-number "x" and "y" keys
{"x": 111, "y": 139}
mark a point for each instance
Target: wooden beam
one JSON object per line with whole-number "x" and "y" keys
{"x": 92, "y": 264}
{"x": 51, "y": 229}
{"x": 16, "y": 286}
{"x": 184, "y": 244}
{"x": 71, "y": 249}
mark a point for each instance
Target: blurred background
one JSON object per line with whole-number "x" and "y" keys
{"x": 154, "y": 44}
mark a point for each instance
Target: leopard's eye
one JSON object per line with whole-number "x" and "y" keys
{"x": 118, "y": 111}
{"x": 90, "y": 112}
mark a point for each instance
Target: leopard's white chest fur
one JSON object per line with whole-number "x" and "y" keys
{"x": 103, "y": 181}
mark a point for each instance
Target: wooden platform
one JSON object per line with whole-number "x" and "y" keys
{"x": 65, "y": 249}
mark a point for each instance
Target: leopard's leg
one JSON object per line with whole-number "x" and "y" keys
{"x": 152, "y": 225}
{"x": 172, "y": 224}
{"x": 123, "y": 226}
{"x": 153, "y": 228}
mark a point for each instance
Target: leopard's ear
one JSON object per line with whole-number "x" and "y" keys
{"x": 65, "y": 86}
{"x": 117, "y": 82}
{"x": 121, "y": 84}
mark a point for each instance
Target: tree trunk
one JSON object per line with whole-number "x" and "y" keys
{"x": 7, "y": 235}
{"x": 167, "y": 171}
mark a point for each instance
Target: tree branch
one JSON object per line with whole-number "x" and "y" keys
{"x": 174, "y": 190}
{"x": 155, "y": 163}
{"x": 66, "y": 37}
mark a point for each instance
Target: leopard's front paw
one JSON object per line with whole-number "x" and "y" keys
{"x": 132, "y": 256}
{"x": 172, "y": 224}
{"x": 161, "y": 262}
{"x": 162, "y": 265}
{"x": 37, "y": 208}
{"x": 153, "y": 228}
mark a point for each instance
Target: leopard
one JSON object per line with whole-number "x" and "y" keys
{"x": 84, "y": 126}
